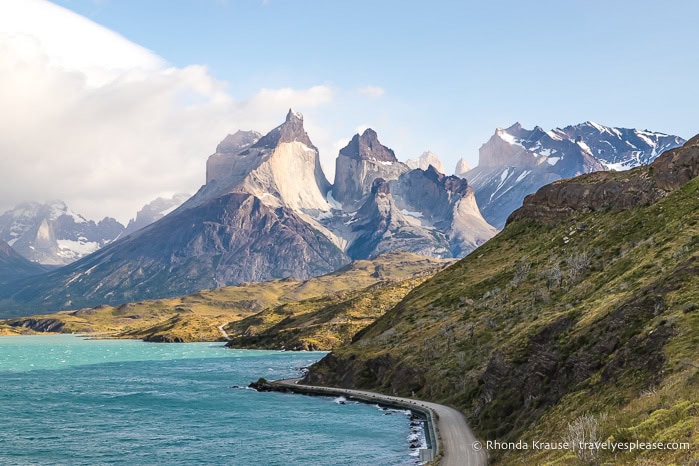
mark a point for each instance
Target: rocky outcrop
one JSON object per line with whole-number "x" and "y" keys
{"x": 291, "y": 131}
{"x": 613, "y": 190}
{"x": 447, "y": 203}
{"x": 39, "y": 325}
{"x": 382, "y": 227}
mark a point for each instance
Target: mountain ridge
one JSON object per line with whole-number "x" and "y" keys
{"x": 516, "y": 162}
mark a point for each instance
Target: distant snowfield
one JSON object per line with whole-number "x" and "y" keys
{"x": 74, "y": 250}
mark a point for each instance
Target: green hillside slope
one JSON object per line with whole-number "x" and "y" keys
{"x": 579, "y": 321}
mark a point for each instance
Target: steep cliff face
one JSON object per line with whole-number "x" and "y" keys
{"x": 282, "y": 169}
{"x": 382, "y": 227}
{"x": 359, "y": 163}
{"x": 446, "y": 203}
{"x": 219, "y": 166}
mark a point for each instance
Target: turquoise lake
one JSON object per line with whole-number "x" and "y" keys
{"x": 65, "y": 400}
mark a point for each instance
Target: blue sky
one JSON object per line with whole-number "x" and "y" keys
{"x": 453, "y": 70}
{"x": 436, "y": 75}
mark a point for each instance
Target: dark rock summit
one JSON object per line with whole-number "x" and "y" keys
{"x": 358, "y": 164}
{"x": 368, "y": 147}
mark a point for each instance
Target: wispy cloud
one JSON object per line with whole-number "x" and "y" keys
{"x": 373, "y": 92}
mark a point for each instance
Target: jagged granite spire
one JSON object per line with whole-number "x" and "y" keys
{"x": 425, "y": 160}
{"x": 289, "y": 131}
{"x": 462, "y": 167}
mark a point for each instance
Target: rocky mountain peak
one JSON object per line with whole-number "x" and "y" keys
{"x": 158, "y": 208}
{"x": 290, "y": 131}
{"x": 462, "y": 167}
{"x": 368, "y": 147}
{"x": 516, "y": 127}
{"x": 425, "y": 160}
{"x": 432, "y": 173}
{"x": 237, "y": 141}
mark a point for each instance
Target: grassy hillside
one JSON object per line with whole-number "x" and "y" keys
{"x": 6, "y": 330}
{"x": 585, "y": 326}
{"x": 321, "y": 323}
{"x": 199, "y": 317}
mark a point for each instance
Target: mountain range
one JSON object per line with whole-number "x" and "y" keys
{"x": 53, "y": 235}
{"x": 516, "y": 162}
{"x": 267, "y": 211}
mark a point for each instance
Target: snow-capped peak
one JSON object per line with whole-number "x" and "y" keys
{"x": 507, "y": 137}
{"x": 425, "y": 160}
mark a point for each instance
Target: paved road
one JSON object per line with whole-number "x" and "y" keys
{"x": 456, "y": 438}
{"x": 223, "y": 332}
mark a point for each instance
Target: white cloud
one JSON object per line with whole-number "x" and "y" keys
{"x": 373, "y": 92}
{"x": 312, "y": 97}
{"x": 107, "y": 132}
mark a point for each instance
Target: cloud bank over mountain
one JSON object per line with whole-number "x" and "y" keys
{"x": 104, "y": 124}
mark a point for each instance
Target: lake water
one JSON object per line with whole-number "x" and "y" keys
{"x": 66, "y": 400}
